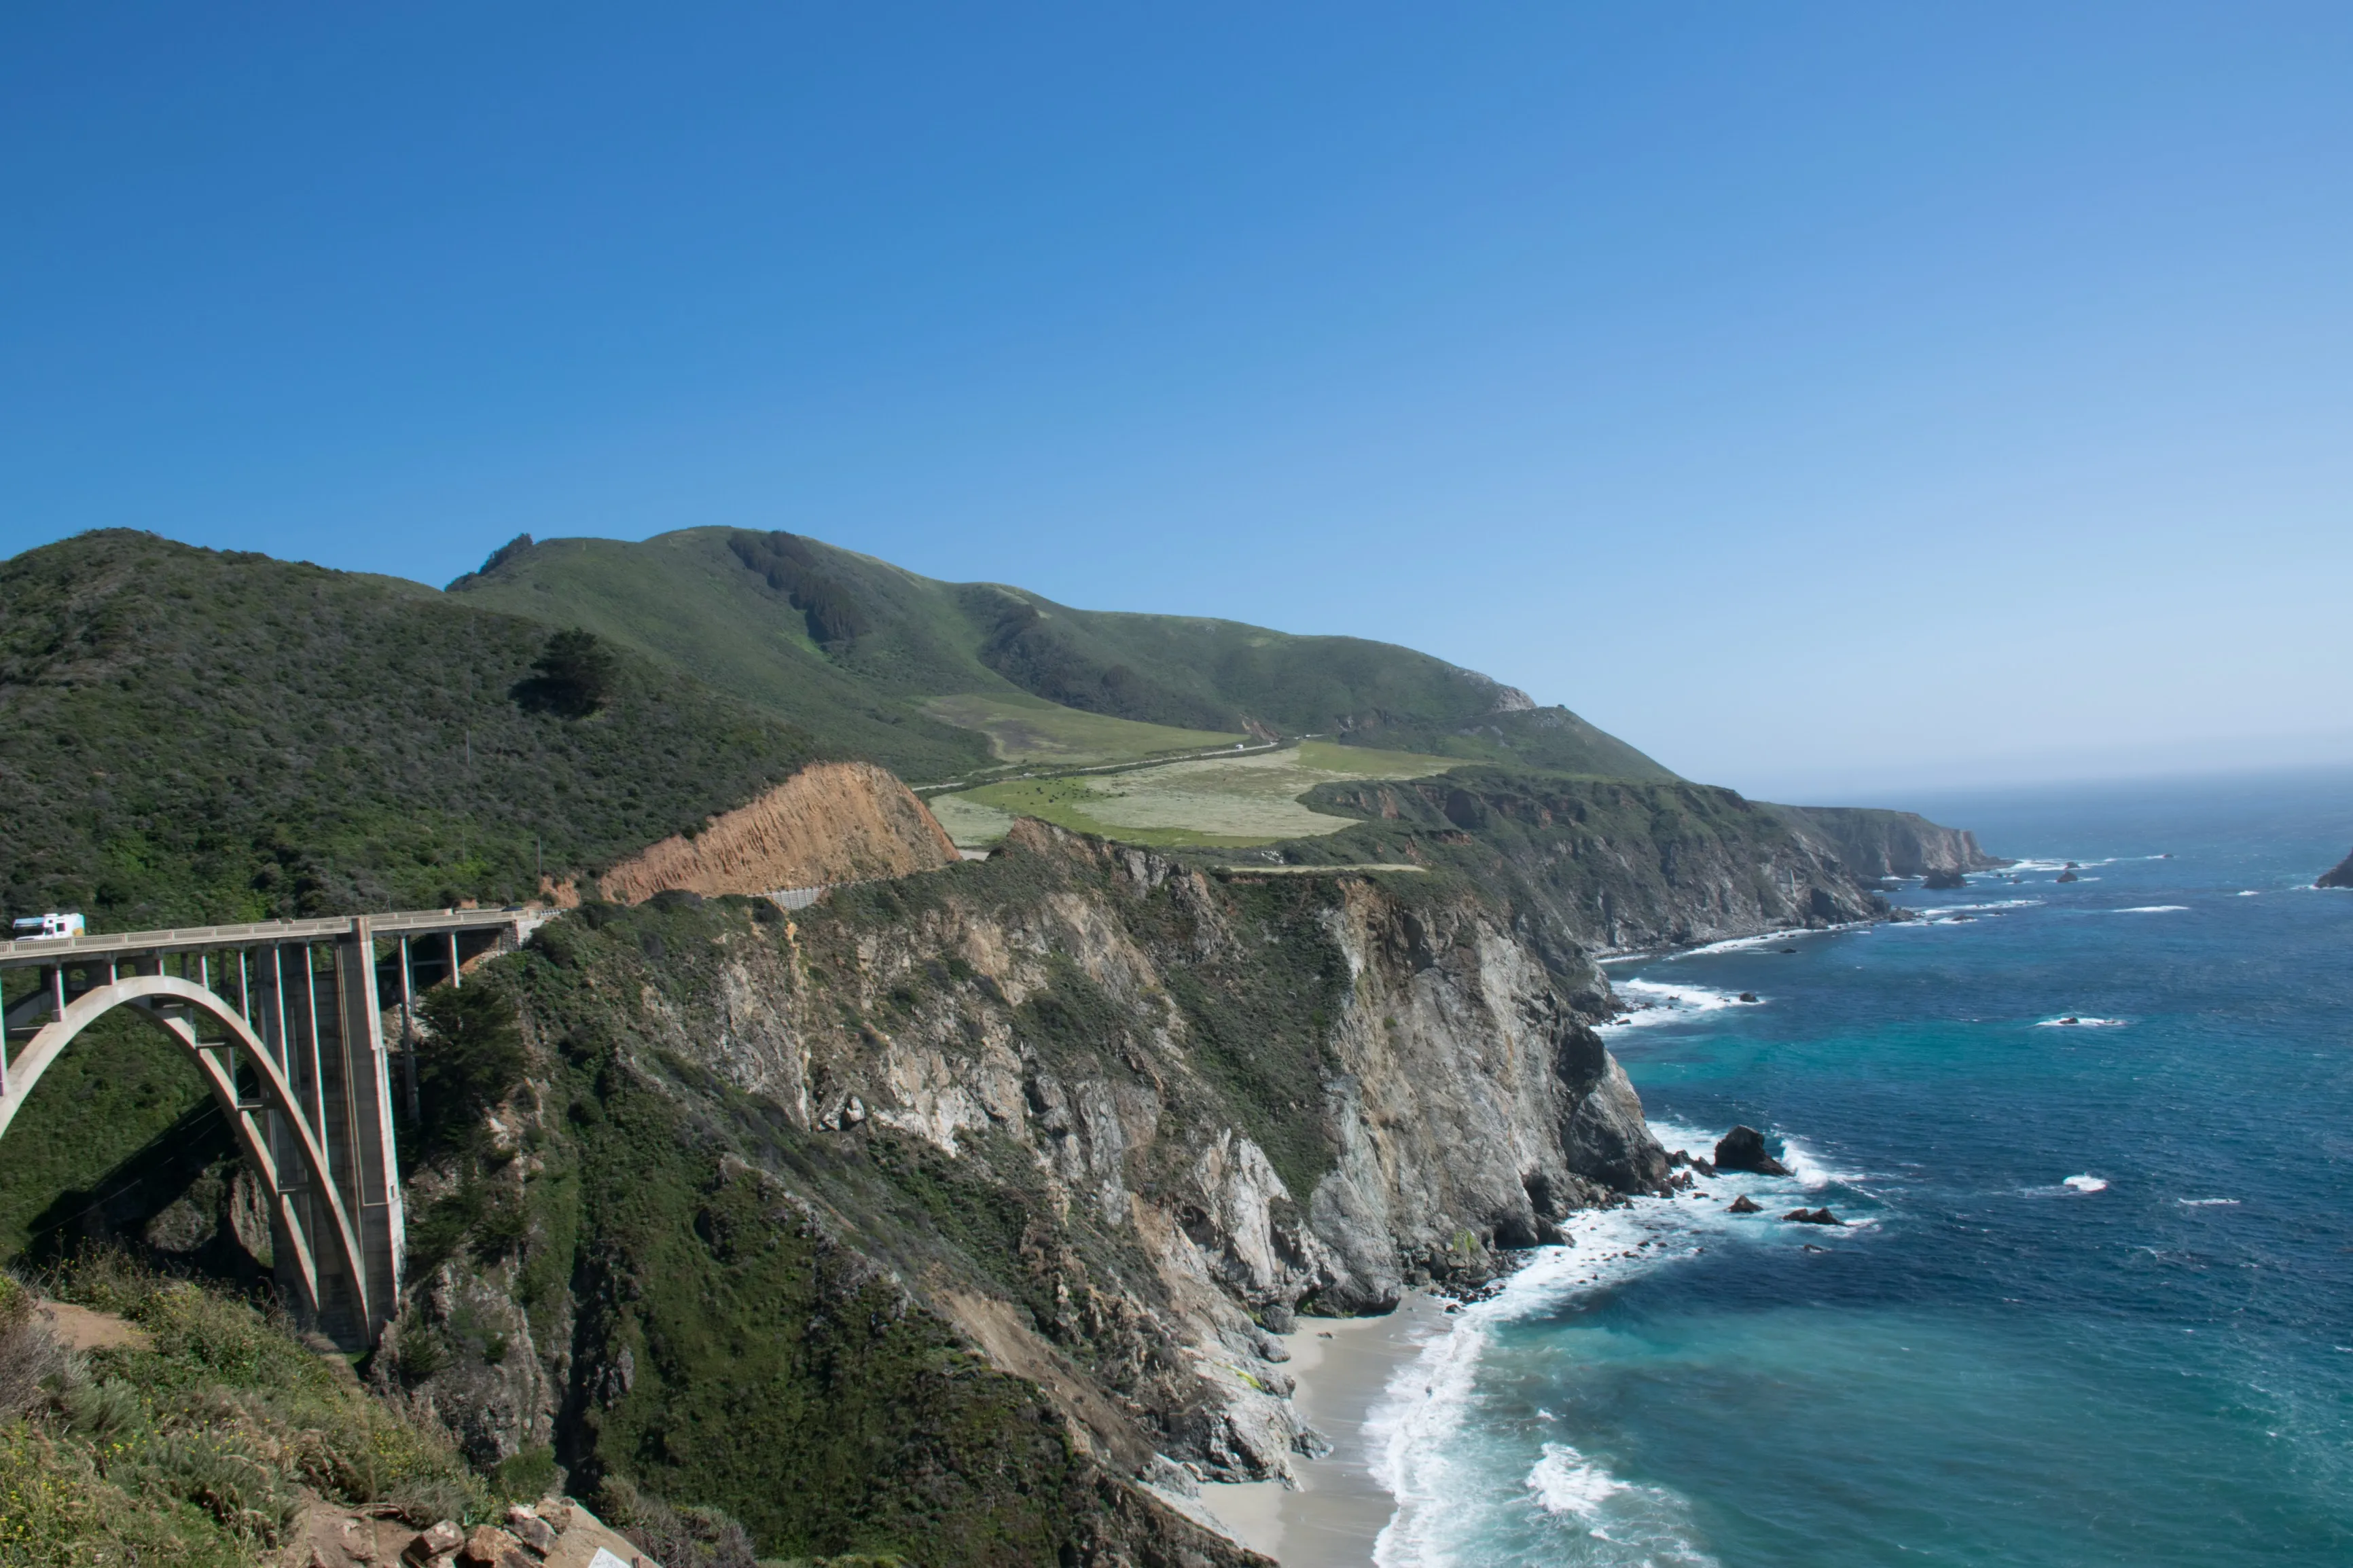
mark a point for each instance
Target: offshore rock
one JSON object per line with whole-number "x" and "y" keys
{"x": 1743, "y": 1149}
{"x": 1744, "y": 1204}
{"x": 2340, "y": 876}
{"x": 1812, "y": 1216}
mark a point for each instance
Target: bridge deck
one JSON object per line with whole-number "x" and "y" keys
{"x": 35, "y": 950}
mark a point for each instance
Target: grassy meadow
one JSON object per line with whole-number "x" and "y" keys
{"x": 1202, "y": 803}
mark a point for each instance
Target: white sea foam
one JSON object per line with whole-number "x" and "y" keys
{"x": 2152, "y": 909}
{"x": 1974, "y": 908}
{"x": 2207, "y": 1203}
{"x": 1430, "y": 1456}
{"x": 1656, "y": 1002}
{"x": 2249, "y": 893}
{"x": 1646, "y": 1525}
{"x": 1809, "y": 1169}
{"x": 1565, "y": 1482}
{"x": 1764, "y": 939}
{"x": 2085, "y": 1183}
{"x": 2063, "y": 865}
{"x": 2076, "y": 1021}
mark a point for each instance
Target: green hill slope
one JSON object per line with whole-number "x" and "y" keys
{"x": 854, "y": 650}
{"x": 187, "y": 735}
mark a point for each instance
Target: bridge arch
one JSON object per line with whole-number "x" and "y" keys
{"x": 164, "y": 1002}
{"x": 298, "y": 1059}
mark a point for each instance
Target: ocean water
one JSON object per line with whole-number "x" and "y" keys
{"x": 2093, "y": 1301}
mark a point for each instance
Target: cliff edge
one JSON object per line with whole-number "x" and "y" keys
{"x": 1873, "y": 843}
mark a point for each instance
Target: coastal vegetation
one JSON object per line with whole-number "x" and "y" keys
{"x": 191, "y": 735}
{"x": 197, "y": 1437}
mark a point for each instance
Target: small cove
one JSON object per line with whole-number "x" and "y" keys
{"x": 2094, "y": 1302}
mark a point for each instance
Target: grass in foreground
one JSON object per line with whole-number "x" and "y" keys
{"x": 198, "y": 1449}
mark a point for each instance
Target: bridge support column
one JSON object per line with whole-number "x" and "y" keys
{"x": 367, "y": 1161}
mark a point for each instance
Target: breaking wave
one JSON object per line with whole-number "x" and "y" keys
{"x": 1442, "y": 1463}
{"x": 1647, "y": 1521}
{"x": 1656, "y": 1002}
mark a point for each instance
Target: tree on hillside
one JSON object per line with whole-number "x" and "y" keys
{"x": 571, "y": 676}
{"x": 473, "y": 1057}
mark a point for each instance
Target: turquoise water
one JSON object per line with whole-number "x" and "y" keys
{"x": 2150, "y": 1365}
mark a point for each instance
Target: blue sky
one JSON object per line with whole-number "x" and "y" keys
{"x": 1831, "y": 399}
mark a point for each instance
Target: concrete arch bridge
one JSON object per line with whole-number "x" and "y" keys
{"x": 285, "y": 1021}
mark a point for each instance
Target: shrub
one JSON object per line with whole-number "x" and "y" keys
{"x": 230, "y": 1414}
{"x": 49, "y": 1502}
{"x": 527, "y": 1475}
{"x": 29, "y": 1354}
{"x": 225, "y": 1472}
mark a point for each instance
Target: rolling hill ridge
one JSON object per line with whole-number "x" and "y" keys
{"x": 870, "y": 657}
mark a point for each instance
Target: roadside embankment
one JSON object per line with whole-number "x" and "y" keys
{"x": 831, "y": 822}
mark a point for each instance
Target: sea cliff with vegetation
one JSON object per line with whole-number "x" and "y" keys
{"x": 952, "y": 1217}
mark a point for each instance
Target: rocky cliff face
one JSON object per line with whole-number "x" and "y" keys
{"x": 1873, "y": 843}
{"x": 1595, "y": 867}
{"x": 1003, "y": 1172}
{"x": 1096, "y": 1115}
{"x": 831, "y": 822}
{"x": 2339, "y": 875}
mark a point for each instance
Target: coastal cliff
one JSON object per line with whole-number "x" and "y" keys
{"x": 1874, "y": 843}
{"x": 1097, "y": 1117}
{"x": 1588, "y": 868}
{"x": 2339, "y": 875}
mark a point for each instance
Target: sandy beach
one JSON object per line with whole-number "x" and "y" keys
{"x": 1333, "y": 1516}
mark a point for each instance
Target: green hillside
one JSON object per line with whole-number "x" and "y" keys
{"x": 189, "y": 735}
{"x": 860, "y": 652}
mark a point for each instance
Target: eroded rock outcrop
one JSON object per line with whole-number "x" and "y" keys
{"x": 831, "y": 822}
{"x": 2339, "y": 875}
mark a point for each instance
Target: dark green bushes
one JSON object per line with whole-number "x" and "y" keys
{"x": 791, "y": 568}
{"x": 472, "y": 1056}
{"x": 574, "y": 675}
{"x": 189, "y": 736}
